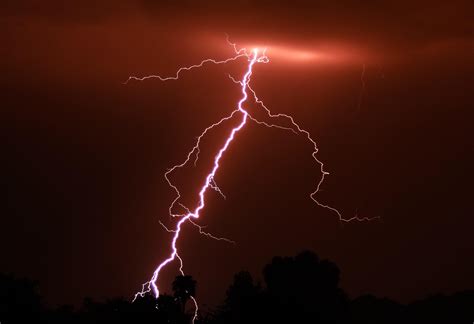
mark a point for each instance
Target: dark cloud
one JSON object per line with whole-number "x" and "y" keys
{"x": 39, "y": 33}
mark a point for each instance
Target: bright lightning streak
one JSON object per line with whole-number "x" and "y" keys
{"x": 151, "y": 285}
{"x": 253, "y": 57}
{"x": 194, "y": 150}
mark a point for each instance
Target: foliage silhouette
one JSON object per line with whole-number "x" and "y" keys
{"x": 19, "y": 299}
{"x": 184, "y": 287}
{"x": 300, "y": 289}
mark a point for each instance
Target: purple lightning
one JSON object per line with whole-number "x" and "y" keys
{"x": 254, "y": 56}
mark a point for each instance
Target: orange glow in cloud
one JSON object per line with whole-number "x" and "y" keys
{"x": 288, "y": 52}
{"x": 292, "y": 53}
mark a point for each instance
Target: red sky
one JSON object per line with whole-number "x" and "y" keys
{"x": 83, "y": 154}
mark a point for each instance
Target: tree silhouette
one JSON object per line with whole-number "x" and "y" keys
{"x": 243, "y": 299}
{"x": 306, "y": 286}
{"x": 169, "y": 310}
{"x": 19, "y": 299}
{"x": 371, "y": 310}
{"x": 300, "y": 289}
{"x": 184, "y": 287}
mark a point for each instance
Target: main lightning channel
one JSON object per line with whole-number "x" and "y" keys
{"x": 187, "y": 215}
{"x": 209, "y": 182}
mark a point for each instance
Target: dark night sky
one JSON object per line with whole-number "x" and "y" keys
{"x": 83, "y": 155}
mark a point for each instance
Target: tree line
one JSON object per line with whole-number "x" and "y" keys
{"x": 299, "y": 289}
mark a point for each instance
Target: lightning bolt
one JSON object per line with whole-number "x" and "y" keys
{"x": 189, "y": 216}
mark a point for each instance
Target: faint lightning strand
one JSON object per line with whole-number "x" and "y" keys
{"x": 259, "y": 102}
{"x": 195, "y": 150}
{"x": 186, "y": 68}
{"x": 234, "y": 46}
{"x": 362, "y": 89}
{"x": 313, "y": 154}
{"x": 196, "y": 309}
{"x": 201, "y": 231}
{"x": 166, "y": 228}
{"x": 211, "y": 235}
{"x": 214, "y": 186}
